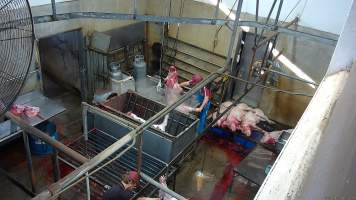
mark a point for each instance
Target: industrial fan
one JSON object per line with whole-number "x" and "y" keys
{"x": 16, "y": 49}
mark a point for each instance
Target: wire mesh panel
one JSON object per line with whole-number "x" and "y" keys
{"x": 16, "y": 48}
{"x": 110, "y": 175}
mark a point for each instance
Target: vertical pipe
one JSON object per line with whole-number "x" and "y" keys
{"x": 135, "y": 9}
{"x": 55, "y": 165}
{"x": 278, "y": 13}
{"x": 139, "y": 152}
{"x": 54, "y": 9}
{"x": 87, "y": 185}
{"x": 267, "y": 19}
{"x": 256, "y": 19}
{"x": 83, "y": 66}
{"x": 229, "y": 61}
{"x": 29, "y": 162}
{"x": 233, "y": 35}
{"x": 85, "y": 121}
{"x": 216, "y": 15}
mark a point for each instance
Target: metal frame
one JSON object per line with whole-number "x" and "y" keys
{"x": 182, "y": 20}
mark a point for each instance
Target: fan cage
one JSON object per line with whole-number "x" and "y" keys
{"x": 16, "y": 49}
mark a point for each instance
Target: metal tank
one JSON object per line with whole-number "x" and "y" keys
{"x": 115, "y": 71}
{"x": 140, "y": 67}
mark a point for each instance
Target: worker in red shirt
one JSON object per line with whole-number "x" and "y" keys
{"x": 204, "y": 96}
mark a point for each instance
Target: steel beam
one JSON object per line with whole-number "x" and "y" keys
{"x": 268, "y": 87}
{"x": 265, "y": 40}
{"x": 181, "y": 20}
{"x": 29, "y": 162}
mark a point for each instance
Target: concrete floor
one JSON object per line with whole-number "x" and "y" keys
{"x": 219, "y": 183}
{"x": 220, "y": 158}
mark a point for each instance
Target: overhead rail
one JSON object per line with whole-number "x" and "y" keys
{"x": 183, "y": 20}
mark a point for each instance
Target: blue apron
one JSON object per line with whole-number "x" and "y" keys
{"x": 203, "y": 114}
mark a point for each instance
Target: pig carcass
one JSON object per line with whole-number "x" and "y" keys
{"x": 173, "y": 90}
{"x": 236, "y": 116}
{"x": 222, "y": 109}
{"x": 161, "y": 126}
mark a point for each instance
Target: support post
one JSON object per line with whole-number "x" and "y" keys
{"x": 229, "y": 59}
{"x": 85, "y": 122}
{"x": 55, "y": 165}
{"x": 135, "y": 9}
{"x": 87, "y": 185}
{"x": 216, "y": 15}
{"x": 29, "y": 162}
{"x": 139, "y": 144}
{"x": 54, "y": 9}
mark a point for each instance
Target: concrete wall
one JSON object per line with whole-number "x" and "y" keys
{"x": 119, "y": 6}
{"x": 47, "y": 29}
{"x": 198, "y": 35}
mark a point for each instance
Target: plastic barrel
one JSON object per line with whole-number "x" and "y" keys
{"x": 39, "y": 147}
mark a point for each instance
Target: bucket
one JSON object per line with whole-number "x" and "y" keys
{"x": 39, "y": 147}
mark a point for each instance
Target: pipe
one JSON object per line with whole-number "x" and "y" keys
{"x": 182, "y": 20}
{"x": 267, "y": 19}
{"x": 43, "y": 136}
{"x": 268, "y": 87}
{"x": 233, "y": 35}
{"x": 291, "y": 77}
{"x": 161, "y": 187}
{"x": 295, "y": 20}
{"x": 54, "y": 9}
{"x": 29, "y": 162}
{"x": 217, "y": 8}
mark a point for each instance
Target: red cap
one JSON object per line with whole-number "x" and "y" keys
{"x": 133, "y": 175}
{"x": 196, "y": 79}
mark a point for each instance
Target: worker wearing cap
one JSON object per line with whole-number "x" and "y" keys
{"x": 203, "y": 97}
{"x": 124, "y": 190}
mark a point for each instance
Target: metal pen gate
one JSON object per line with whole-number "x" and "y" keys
{"x": 98, "y": 76}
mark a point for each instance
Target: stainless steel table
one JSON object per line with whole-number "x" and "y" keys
{"x": 48, "y": 109}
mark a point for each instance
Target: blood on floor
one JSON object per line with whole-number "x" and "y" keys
{"x": 234, "y": 154}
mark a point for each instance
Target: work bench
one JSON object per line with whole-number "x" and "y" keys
{"x": 48, "y": 109}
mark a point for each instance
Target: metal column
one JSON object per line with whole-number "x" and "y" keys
{"x": 29, "y": 161}
{"x": 55, "y": 165}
